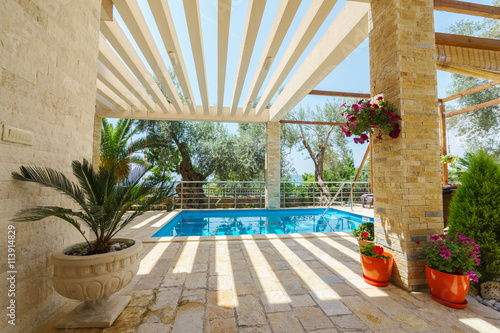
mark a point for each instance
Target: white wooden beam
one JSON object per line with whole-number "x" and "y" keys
{"x": 114, "y": 64}
{"x": 163, "y": 17}
{"x": 223, "y": 21}
{"x": 102, "y": 101}
{"x": 192, "y": 11}
{"x": 282, "y": 20}
{"x": 107, "y": 93}
{"x": 252, "y": 25}
{"x": 115, "y": 35}
{"x": 113, "y": 83}
{"x": 311, "y": 22}
{"x": 347, "y": 31}
{"x": 132, "y": 16}
{"x": 213, "y": 116}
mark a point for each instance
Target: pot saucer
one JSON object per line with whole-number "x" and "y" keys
{"x": 375, "y": 283}
{"x": 450, "y": 304}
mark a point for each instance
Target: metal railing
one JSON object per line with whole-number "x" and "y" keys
{"x": 216, "y": 194}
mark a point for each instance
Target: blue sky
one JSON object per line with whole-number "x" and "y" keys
{"x": 352, "y": 75}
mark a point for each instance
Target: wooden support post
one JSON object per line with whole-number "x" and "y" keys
{"x": 442, "y": 134}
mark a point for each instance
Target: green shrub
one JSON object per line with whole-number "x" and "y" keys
{"x": 475, "y": 211}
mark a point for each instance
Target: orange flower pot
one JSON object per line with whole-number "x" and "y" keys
{"x": 377, "y": 271}
{"x": 448, "y": 289}
{"x": 364, "y": 242}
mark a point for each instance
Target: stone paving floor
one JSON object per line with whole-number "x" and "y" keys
{"x": 276, "y": 284}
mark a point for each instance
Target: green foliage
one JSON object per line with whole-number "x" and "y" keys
{"x": 371, "y": 250}
{"x": 368, "y": 227}
{"x": 478, "y": 128}
{"x": 475, "y": 211}
{"x": 102, "y": 199}
{"x": 453, "y": 255}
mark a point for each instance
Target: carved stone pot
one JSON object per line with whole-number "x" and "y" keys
{"x": 94, "y": 279}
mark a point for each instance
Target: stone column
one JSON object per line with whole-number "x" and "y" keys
{"x": 407, "y": 185}
{"x": 272, "y": 169}
{"x": 96, "y": 152}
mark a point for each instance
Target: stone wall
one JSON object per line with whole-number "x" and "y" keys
{"x": 407, "y": 186}
{"x": 48, "y": 58}
{"x": 272, "y": 168}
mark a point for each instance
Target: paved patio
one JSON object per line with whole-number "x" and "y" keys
{"x": 270, "y": 283}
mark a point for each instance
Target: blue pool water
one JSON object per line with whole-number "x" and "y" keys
{"x": 259, "y": 221}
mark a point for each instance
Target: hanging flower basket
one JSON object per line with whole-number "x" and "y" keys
{"x": 365, "y": 115}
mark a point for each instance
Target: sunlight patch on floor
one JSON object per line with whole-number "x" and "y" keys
{"x": 186, "y": 259}
{"x": 151, "y": 259}
{"x": 146, "y": 221}
{"x": 479, "y": 325}
{"x": 164, "y": 220}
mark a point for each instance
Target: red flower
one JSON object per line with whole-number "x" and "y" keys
{"x": 364, "y": 235}
{"x": 379, "y": 250}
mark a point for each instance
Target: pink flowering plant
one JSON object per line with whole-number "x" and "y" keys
{"x": 459, "y": 255}
{"x": 371, "y": 250}
{"x": 365, "y": 115}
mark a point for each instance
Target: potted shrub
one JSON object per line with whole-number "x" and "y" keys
{"x": 94, "y": 270}
{"x": 450, "y": 267}
{"x": 364, "y": 233}
{"x": 377, "y": 265}
{"x": 363, "y": 116}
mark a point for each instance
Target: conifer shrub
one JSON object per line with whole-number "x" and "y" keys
{"x": 475, "y": 211}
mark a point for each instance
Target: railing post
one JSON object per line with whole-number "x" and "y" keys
{"x": 314, "y": 196}
{"x": 284, "y": 195}
{"x": 208, "y": 190}
{"x": 351, "y": 196}
{"x": 234, "y": 195}
{"x": 260, "y": 195}
{"x": 182, "y": 194}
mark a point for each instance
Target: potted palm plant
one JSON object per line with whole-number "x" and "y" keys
{"x": 377, "y": 265}
{"x": 94, "y": 270}
{"x": 450, "y": 266}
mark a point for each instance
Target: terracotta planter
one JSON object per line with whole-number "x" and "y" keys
{"x": 448, "y": 289}
{"x": 377, "y": 271}
{"x": 364, "y": 242}
{"x": 94, "y": 279}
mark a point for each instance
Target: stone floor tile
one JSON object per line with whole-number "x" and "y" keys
{"x": 189, "y": 319}
{"x": 368, "y": 313}
{"x": 275, "y": 301}
{"x": 302, "y": 301}
{"x": 173, "y": 279}
{"x": 285, "y": 322}
{"x": 148, "y": 283}
{"x": 221, "y": 326}
{"x": 141, "y": 298}
{"x": 192, "y": 296}
{"x": 166, "y": 299}
{"x": 198, "y": 268}
{"x": 287, "y": 275}
{"x": 312, "y": 318}
{"x": 293, "y": 287}
{"x": 245, "y": 289}
{"x": 384, "y": 301}
{"x": 154, "y": 328}
{"x": 196, "y": 280}
{"x": 411, "y": 322}
{"x": 130, "y": 318}
{"x": 349, "y": 322}
{"x": 258, "y": 329}
{"x": 237, "y": 265}
{"x": 329, "y": 302}
{"x": 250, "y": 311}
{"x": 331, "y": 279}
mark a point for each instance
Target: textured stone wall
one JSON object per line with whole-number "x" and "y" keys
{"x": 272, "y": 169}
{"x": 407, "y": 185}
{"x": 48, "y": 65}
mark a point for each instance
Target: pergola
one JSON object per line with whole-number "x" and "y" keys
{"x": 126, "y": 89}
{"x": 66, "y": 64}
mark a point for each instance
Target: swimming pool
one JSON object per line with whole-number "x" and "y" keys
{"x": 259, "y": 221}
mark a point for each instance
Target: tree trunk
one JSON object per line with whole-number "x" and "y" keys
{"x": 325, "y": 195}
{"x": 192, "y": 194}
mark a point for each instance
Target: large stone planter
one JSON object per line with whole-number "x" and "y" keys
{"x": 93, "y": 280}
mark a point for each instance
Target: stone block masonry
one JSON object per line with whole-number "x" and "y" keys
{"x": 48, "y": 68}
{"x": 407, "y": 186}
{"x": 272, "y": 168}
